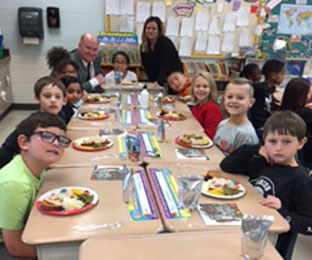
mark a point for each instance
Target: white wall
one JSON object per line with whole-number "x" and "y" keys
{"x": 28, "y": 61}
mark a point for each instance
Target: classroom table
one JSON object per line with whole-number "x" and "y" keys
{"x": 183, "y": 246}
{"x": 169, "y": 145}
{"x": 133, "y": 87}
{"x": 248, "y": 204}
{"x": 55, "y": 237}
{"x": 73, "y": 157}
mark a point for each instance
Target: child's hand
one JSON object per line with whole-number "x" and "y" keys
{"x": 308, "y": 105}
{"x": 271, "y": 202}
{"x": 263, "y": 153}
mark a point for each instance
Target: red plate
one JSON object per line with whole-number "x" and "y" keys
{"x": 178, "y": 141}
{"x": 63, "y": 212}
{"x": 76, "y": 145}
{"x": 105, "y": 116}
{"x": 171, "y": 118}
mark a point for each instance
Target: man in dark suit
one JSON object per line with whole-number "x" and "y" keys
{"x": 89, "y": 62}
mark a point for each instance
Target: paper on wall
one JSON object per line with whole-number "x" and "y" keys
{"x": 243, "y": 16}
{"x": 159, "y": 9}
{"x": 143, "y": 11}
{"x": 201, "y": 21}
{"x": 245, "y": 38}
{"x": 126, "y": 7}
{"x": 228, "y": 42}
{"x": 175, "y": 41}
{"x": 215, "y": 26}
{"x": 220, "y": 7}
{"x": 112, "y": 7}
{"x": 273, "y": 3}
{"x": 139, "y": 30}
{"x": 127, "y": 24}
{"x": 201, "y": 42}
{"x": 173, "y": 26}
{"x": 229, "y": 22}
{"x": 187, "y": 27}
{"x": 185, "y": 46}
{"x": 213, "y": 45}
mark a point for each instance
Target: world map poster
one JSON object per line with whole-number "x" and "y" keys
{"x": 295, "y": 19}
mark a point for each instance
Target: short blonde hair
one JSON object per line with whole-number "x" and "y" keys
{"x": 211, "y": 82}
{"x": 240, "y": 82}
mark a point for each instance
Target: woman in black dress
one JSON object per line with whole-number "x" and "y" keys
{"x": 159, "y": 57}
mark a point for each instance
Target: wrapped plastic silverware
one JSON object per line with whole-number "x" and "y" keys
{"x": 118, "y": 111}
{"x": 133, "y": 147}
{"x": 127, "y": 184}
{"x": 255, "y": 234}
{"x": 189, "y": 191}
{"x": 161, "y": 131}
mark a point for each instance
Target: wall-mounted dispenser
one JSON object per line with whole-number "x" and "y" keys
{"x": 30, "y": 22}
{"x": 53, "y": 17}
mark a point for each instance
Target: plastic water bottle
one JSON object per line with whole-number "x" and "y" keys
{"x": 144, "y": 98}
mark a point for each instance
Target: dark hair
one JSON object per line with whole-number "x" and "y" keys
{"x": 67, "y": 80}
{"x": 44, "y": 81}
{"x": 39, "y": 119}
{"x": 295, "y": 94}
{"x": 248, "y": 70}
{"x": 55, "y": 55}
{"x": 272, "y": 66}
{"x": 122, "y": 53}
{"x": 285, "y": 123}
{"x": 62, "y": 65}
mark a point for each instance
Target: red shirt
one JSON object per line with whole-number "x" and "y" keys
{"x": 209, "y": 116}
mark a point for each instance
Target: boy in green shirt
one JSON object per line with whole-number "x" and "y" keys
{"x": 41, "y": 141}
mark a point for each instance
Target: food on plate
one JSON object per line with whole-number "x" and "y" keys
{"x": 171, "y": 113}
{"x": 220, "y": 186}
{"x": 193, "y": 139}
{"x": 94, "y": 142}
{"x": 97, "y": 98}
{"x": 93, "y": 114}
{"x": 211, "y": 174}
{"x": 164, "y": 100}
{"x": 67, "y": 200}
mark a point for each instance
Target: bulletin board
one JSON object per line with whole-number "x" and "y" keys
{"x": 292, "y": 23}
{"x": 191, "y": 25}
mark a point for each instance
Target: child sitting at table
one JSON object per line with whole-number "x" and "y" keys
{"x": 50, "y": 93}
{"x": 274, "y": 172}
{"x": 297, "y": 97}
{"x": 41, "y": 140}
{"x": 252, "y": 72}
{"x": 58, "y": 59}
{"x": 74, "y": 95}
{"x": 120, "y": 61}
{"x": 181, "y": 84}
{"x": 236, "y": 130}
{"x": 273, "y": 71}
{"x": 206, "y": 111}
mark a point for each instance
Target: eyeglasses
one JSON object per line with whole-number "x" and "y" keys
{"x": 50, "y": 138}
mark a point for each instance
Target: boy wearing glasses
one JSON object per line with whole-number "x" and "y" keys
{"x": 50, "y": 93}
{"x": 41, "y": 141}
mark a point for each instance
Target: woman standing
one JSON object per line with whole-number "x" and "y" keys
{"x": 159, "y": 56}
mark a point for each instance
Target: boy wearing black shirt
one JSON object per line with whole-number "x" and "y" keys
{"x": 274, "y": 172}
{"x": 273, "y": 71}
